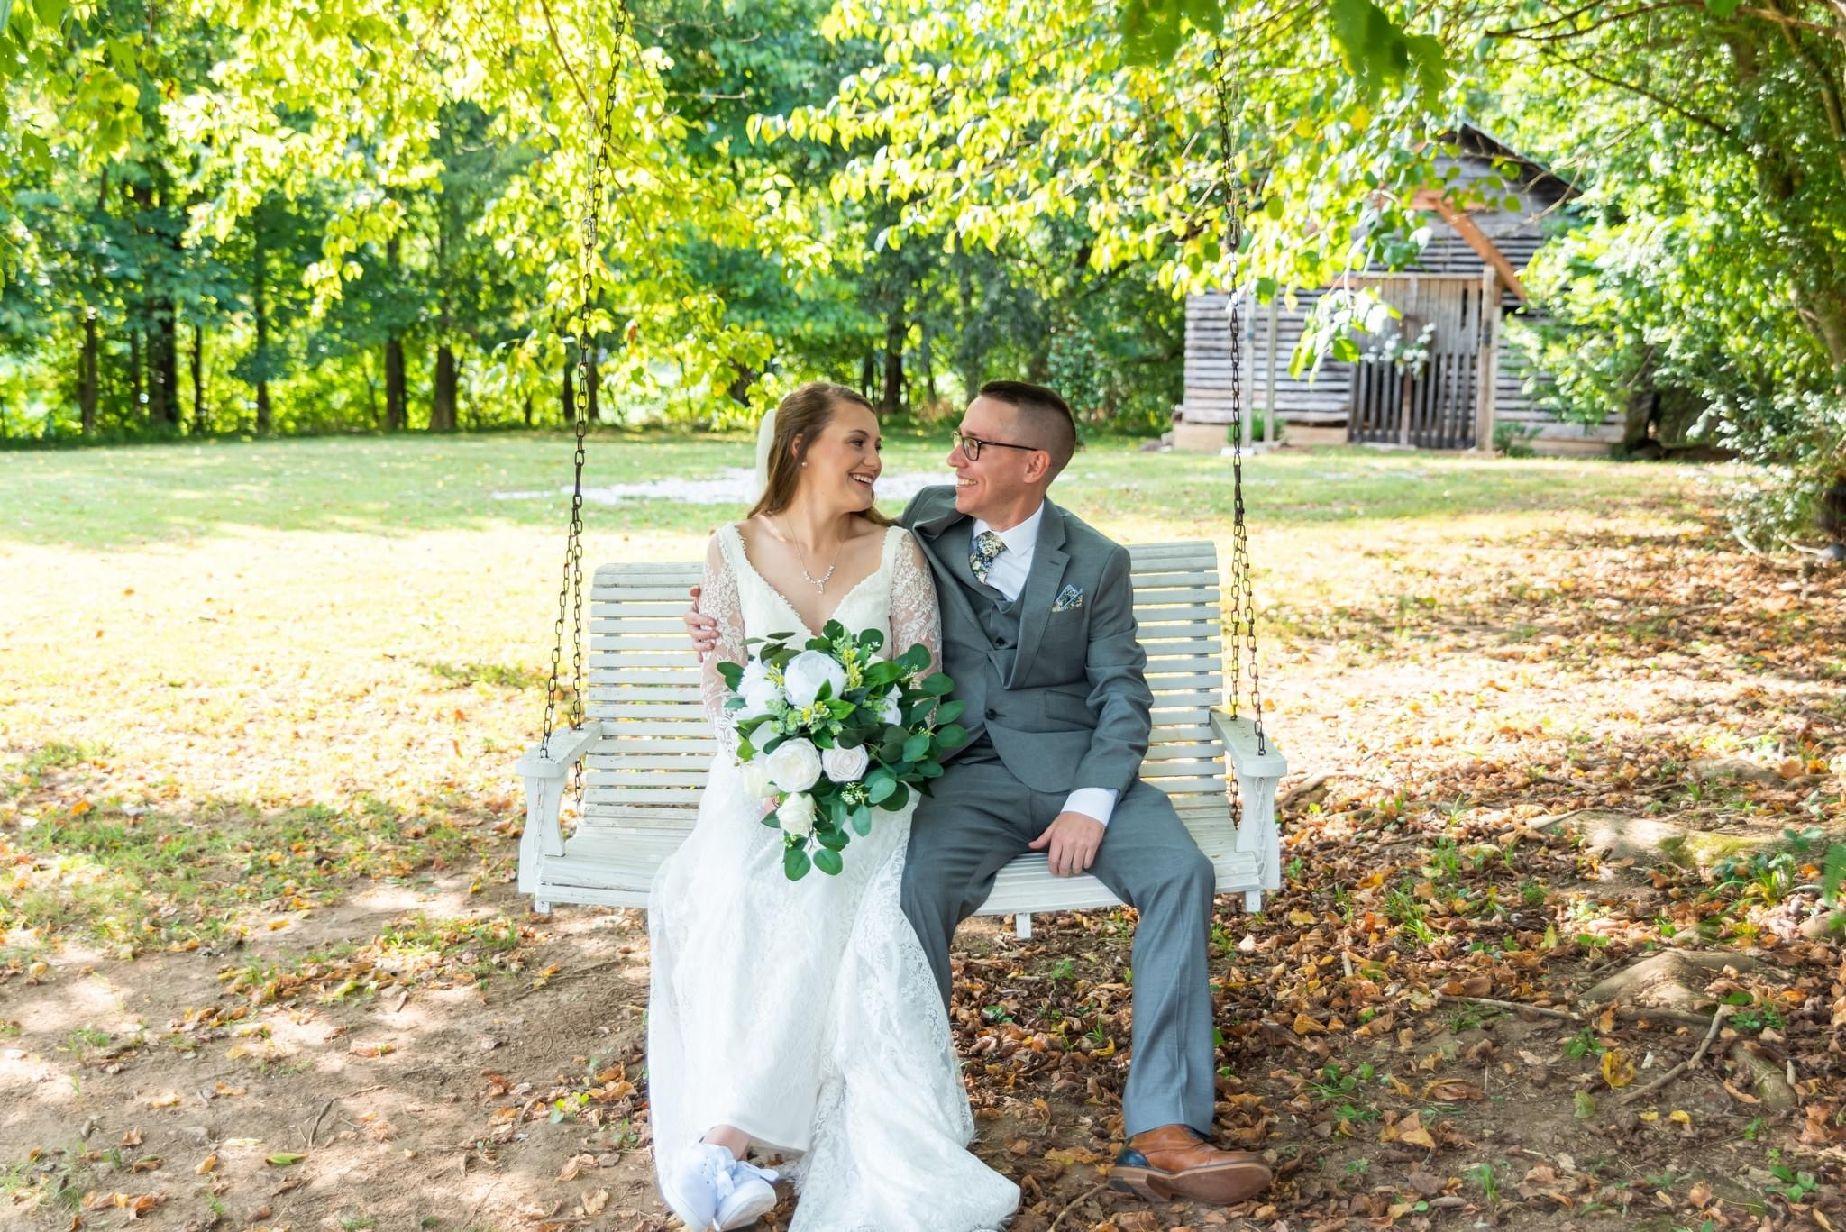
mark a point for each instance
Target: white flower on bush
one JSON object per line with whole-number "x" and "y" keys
{"x": 794, "y": 765}
{"x": 891, "y": 712}
{"x": 797, "y": 815}
{"x": 756, "y": 779}
{"x": 757, "y": 689}
{"x": 845, "y": 765}
{"x": 805, "y": 674}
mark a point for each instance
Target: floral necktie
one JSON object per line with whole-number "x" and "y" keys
{"x": 987, "y": 547}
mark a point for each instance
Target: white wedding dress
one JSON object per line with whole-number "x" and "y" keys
{"x": 804, "y": 1013}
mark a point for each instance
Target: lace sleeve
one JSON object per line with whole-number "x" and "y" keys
{"x": 718, "y": 599}
{"x": 914, "y": 615}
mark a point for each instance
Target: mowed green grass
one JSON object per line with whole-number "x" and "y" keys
{"x": 108, "y": 498}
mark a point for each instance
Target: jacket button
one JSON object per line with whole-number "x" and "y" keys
{"x": 992, "y": 714}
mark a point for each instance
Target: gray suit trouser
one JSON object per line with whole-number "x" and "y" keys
{"x": 980, "y": 816}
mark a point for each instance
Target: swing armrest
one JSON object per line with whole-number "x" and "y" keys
{"x": 1257, "y": 776}
{"x": 553, "y": 758}
{"x": 1238, "y": 735}
{"x": 545, "y": 778}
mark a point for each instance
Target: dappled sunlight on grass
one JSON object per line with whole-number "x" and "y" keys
{"x": 258, "y": 822}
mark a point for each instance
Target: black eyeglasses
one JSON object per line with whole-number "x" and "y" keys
{"x": 971, "y": 446}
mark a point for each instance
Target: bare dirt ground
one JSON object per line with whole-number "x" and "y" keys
{"x": 266, "y": 969}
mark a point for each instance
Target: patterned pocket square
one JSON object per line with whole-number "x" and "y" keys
{"x": 1068, "y": 598}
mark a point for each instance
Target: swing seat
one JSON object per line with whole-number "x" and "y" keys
{"x": 647, "y": 747}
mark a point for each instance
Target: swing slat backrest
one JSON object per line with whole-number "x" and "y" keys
{"x": 644, "y": 777}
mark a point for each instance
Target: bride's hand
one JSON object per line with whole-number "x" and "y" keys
{"x": 702, "y": 629}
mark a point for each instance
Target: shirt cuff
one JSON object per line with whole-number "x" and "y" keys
{"x": 1094, "y": 802}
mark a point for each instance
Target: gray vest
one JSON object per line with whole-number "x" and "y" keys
{"x": 998, "y": 617}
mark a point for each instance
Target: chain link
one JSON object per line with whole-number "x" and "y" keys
{"x": 570, "y": 589}
{"x": 1243, "y": 595}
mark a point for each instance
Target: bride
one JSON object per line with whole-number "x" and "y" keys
{"x": 801, "y": 1018}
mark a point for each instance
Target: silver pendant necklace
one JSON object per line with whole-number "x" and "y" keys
{"x": 818, "y": 583}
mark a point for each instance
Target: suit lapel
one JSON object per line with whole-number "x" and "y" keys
{"x": 1048, "y": 561}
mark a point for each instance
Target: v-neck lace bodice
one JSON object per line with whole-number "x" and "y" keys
{"x": 898, "y": 599}
{"x": 739, "y": 556}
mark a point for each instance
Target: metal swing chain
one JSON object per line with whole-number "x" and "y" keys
{"x": 570, "y": 591}
{"x": 1243, "y": 595}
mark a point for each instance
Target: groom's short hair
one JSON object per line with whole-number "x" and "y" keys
{"x": 1049, "y": 416}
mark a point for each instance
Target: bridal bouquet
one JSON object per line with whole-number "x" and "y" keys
{"x": 829, "y": 732}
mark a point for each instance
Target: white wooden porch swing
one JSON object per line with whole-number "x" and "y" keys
{"x": 637, "y": 746}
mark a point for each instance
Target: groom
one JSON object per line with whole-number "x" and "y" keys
{"x": 1038, "y": 633}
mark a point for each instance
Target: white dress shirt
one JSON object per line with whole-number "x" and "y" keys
{"x": 1007, "y": 574}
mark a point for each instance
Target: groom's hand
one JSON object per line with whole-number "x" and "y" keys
{"x": 1070, "y": 843}
{"x": 701, "y": 628}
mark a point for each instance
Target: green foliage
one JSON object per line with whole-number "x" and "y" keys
{"x": 907, "y": 198}
{"x": 1514, "y": 440}
{"x": 1705, "y": 259}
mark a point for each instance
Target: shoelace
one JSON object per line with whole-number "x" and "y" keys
{"x": 727, "y": 1177}
{"x": 723, "y": 1178}
{"x": 767, "y": 1174}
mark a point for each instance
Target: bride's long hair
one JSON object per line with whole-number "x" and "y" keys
{"x": 800, "y": 417}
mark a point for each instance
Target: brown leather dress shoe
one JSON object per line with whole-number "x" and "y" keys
{"x": 1175, "y": 1162}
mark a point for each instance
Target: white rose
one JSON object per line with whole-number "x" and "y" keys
{"x": 797, "y": 815}
{"x": 845, "y": 765}
{"x": 892, "y": 713}
{"x": 756, "y": 779}
{"x": 794, "y": 766}
{"x": 756, "y": 689}
{"x": 805, "y": 674}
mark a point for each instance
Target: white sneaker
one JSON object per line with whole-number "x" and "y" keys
{"x": 709, "y": 1189}
{"x": 752, "y": 1196}
{"x": 696, "y": 1182}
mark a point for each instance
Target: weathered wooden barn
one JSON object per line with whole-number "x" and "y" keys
{"x": 1463, "y": 376}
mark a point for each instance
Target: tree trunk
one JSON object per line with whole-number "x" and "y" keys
{"x": 89, "y": 368}
{"x": 199, "y": 425}
{"x": 371, "y": 390}
{"x": 157, "y": 335}
{"x": 895, "y": 329}
{"x": 868, "y": 372}
{"x": 567, "y": 401}
{"x": 137, "y": 395}
{"x": 162, "y": 398}
{"x": 1827, "y": 310}
{"x": 169, "y": 362}
{"x": 396, "y": 392}
{"x": 259, "y": 307}
{"x": 528, "y": 410}
{"x": 442, "y": 403}
{"x": 929, "y": 370}
{"x": 739, "y": 388}
{"x": 88, "y": 373}
{"x": 596, "y": 383}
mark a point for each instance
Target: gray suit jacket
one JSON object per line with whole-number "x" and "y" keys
{"x": 1068, "y": 706}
